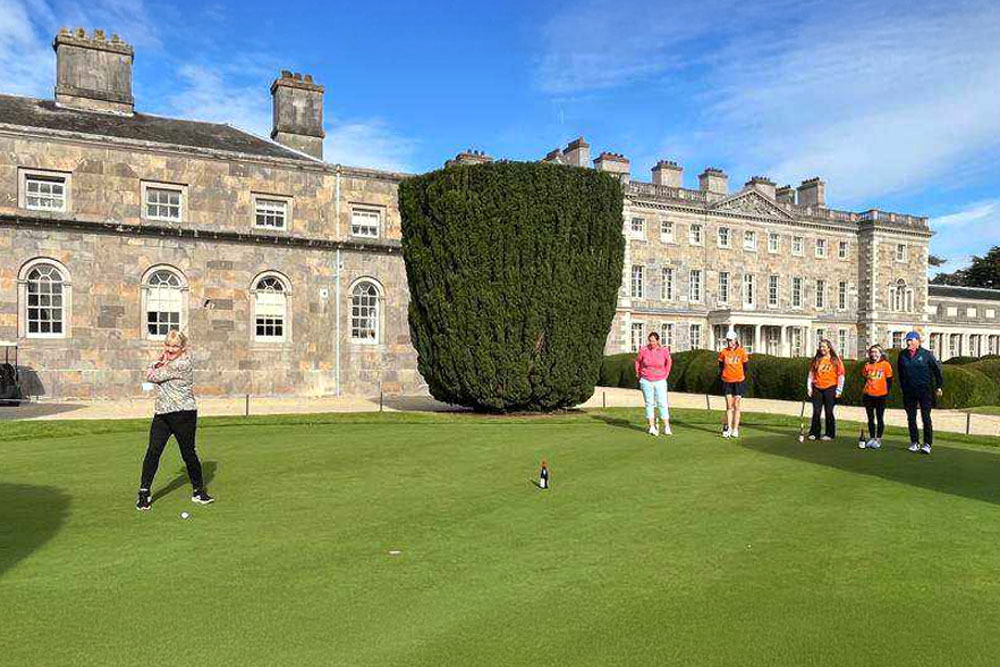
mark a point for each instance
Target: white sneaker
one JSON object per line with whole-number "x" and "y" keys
{"x": 812, "y": 437}
{"x": 653, "y": 431}
{"x": 735, "y": 433}
{"x": 666, "y": 429}
{"x": 826, "y": 437}
{"x": 875, "y": 443}
{"x": 725, "y": 433}
{"x": 914, "y": 447}
{"x": 926, "y": 449}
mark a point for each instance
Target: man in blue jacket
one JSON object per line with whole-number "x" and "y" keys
{"x": 921, "y": 380}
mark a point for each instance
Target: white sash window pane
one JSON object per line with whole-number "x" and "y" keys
{"x": 365, "y": 222}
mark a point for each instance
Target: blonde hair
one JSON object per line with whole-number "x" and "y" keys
{"x": 175, "y": 337}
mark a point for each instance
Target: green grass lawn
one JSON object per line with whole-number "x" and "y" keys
{"x": 684, "y": 550}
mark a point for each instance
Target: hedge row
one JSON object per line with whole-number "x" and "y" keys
{"x": 697, "y": 372}
{"x": 961, "y": 361}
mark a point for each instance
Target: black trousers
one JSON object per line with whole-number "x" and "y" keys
{"x": 875, "y": 408}
{"x": 824, "y": 399}
{"x": 924, "y": 402}
{"x": 182, "y": 425}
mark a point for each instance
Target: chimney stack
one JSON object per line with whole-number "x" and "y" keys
{"x": 577, "y": 153}
{"x": 298, "y": 113}
{"x": 785, "y": 195}
{"x": 763, "y": 185}
{"x": 614, "y": 163}
{"x": 714, "y": 181}
{"x": 812, "y": 193}
{"x": 668, "y": 173}
{"x": 93, "y": 73}
{"x": 469, "y": 157}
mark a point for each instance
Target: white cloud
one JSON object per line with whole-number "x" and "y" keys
{"x": 875, "y": 98}
{"x": 368, "y": 143}
{"x": 966, "y": 232}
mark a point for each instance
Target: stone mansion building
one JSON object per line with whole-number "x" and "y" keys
{"x": 286, "y": 271}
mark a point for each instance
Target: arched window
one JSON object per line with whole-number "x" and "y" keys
{"x": 46, "y": 305}
{"x": 270, "y": 308}
{"x": 902, "y": 298}
{"x": 366, "y": 297}
{"x": 163, "y": 301}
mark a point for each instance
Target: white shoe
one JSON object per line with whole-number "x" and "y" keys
{"x": 874, "y": 443}
{"x": 926, "y": 449}
{"x": 826, "y": 437}
{"x": 666, "y": 429}
{"x": 653, "y": 431}
{"x": 735, "y": 433}
{"x": 914, "y": 447}
{"x": 725, "y": 433}
{"x": 812, "y": 437}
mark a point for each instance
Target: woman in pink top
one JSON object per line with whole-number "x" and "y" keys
{"x": 652, "y": 366}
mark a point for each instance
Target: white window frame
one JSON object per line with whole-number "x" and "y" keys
{"x": 367, "y": 210}
{"x": 173, "y": 187}
{"x": 379, "y": 311}
{"x": 798, "y": 245}
{"x": 723, "y": 287}
{"x": 820, "y": 295}
{"x": 146, "y": 297}
{"x": 695, "y": 287}
{"x": 286, "y": 317}
{"x": 897, "y": 340}
{"x": 842, "y": 295}
{"x": 970, "y": 311}
{"x": 843, "y": 249}
{"x": 842, "y": 343}
{"x": 637, "y": 233}
{"x": 667, "y": 286}
{"x": 637, "y": 284}
{"x": 23, "y": 328}
{"x": 28, "y": 175}
{"x": 773, "y": 290}
{"x": 694, "y": 336}
{"x": 773, "y": 242}
{"x": 991, "y": 313}
{"x": 260, "y": 197}
{"x": 902, "y": 252}
{"x": 636, "y": 342}
{"x": 952, "y": 311}
{"x": 821, "y": 248}
{"x": 750, "y": 240}
{"x": 696, "y": 234}
{"x": 667, "y": 334}
{"x": 723, "y": 237}
{"x": 796, "y": 289}
{"x": 749, "y": 291}
{"x": 666, "y": 230}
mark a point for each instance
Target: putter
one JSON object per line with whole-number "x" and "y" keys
{"x": 802, "y": 422}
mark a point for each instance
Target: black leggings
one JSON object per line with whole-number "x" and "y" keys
{"x": 923, "y": 401}
{"x": 875, "y": 408}
{"x": 182, "y": 425}
{"x": 824, "y": 399}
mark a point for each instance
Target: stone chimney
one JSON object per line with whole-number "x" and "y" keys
{"x": 763, "y": 185}
{"x": 577, "y": 153}
{"x": 785, "y": 195}
{"x": 93, "y": 73}
{"x": 812, "y": 193}
{"x": 668, "y": 173}
{"x": 714, "y": 181}
{"x": 298, "y": 113}
{"x": 614, "y": 163}
{"x": 469, "y": 157}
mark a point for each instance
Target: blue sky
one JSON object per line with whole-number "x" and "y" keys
{"x": 895, "y": 104}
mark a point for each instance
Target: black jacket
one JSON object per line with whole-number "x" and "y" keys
{"x": 920, "y": 373}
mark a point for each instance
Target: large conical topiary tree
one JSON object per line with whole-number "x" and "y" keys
{"x": 513, "y": 270}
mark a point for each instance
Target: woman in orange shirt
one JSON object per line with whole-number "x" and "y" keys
{"x": 824, "y": 386}
{"x": 878, "y": 381}
{"x": 733, "y": 368}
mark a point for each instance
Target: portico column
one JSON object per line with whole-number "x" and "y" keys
{"x": 783, "y": 342}
{"x": 756, "y": 339}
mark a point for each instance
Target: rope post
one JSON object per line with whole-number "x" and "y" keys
{"x": 708, "y": 402}
{"x": 247, "y": 412}
{"x": 604, "y": 399}
{"x": 968, "y": 423}
{"x": 380, "y": 396}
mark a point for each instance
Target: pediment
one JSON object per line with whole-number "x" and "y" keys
{"x": 751, "y": 203}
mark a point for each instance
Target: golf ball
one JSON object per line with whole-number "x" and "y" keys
{"x": 184, "y": 515}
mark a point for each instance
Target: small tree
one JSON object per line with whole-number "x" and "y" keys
{"x": 514, "y": 271}
{"x": 982, "y": 272}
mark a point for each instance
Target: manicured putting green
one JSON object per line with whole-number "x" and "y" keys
{"x": 687, "y": 549}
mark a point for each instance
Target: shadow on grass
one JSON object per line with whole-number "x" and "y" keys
{"x": 970, "y": 473}
{"x": 208, "y": 469}
{"x": 619, "y": 422}
{"x": 30, "y": 516}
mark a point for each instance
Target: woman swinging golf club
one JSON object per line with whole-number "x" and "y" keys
{"x": 652, "y": 367}
{"x": 175, "y": 413}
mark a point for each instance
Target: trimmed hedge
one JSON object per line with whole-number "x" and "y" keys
{"x": 697, "y": 372}
{"x": 513, "y": 270}
{"x": 961, "y": 361}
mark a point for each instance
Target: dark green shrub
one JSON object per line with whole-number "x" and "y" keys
{"x": 961, "y": 361}
{"x": 513, "y": 270}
